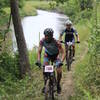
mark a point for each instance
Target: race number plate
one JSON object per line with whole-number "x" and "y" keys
{"x": 48, "y": 68}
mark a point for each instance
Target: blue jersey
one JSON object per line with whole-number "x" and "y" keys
{"x": 69, "y": 34}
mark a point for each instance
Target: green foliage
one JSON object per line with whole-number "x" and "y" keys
{"x": 8, "y": 67}
{"x": 88, "y": 70}
{"x": 33, "y": 56}
{"x": 77, "y": 9}
{"x": 40, "y": 5}
{"x": 27, "y": 88}
{"x": 21, "y": 3}
{"x": 33, "y": 5}
{"x": 85, "y": 4}
{"x": 86, "y": 14}
{"x": 31, "y": 11}
{"x": 4, "y": 3}
{"x": 52, "y": 5}
{"x": 60, "y": 1}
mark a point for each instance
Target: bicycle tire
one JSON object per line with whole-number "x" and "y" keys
{"x": 68, "y": 60}
{"x": 47, "y": 90}
{"x": 51, "y": 92}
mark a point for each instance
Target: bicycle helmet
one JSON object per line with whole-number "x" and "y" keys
{"x": 48, "y": 31}
{"x": 68, "y": 22}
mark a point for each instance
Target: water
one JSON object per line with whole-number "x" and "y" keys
{"x": 35, "y": 25}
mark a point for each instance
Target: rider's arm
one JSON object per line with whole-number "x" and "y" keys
{"x": 61, "y": 50}
{"x": 77, "y": 36}
{"x": 60, "y": 37}
{"x": 61, "y": 34}
{"x": 39, "y": 52}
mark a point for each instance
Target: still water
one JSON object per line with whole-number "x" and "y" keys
{"x": 33, "y": 26}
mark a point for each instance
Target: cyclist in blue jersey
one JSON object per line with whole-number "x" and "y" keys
{"x": 69, "y": 35}
{"x": 52, "y": 51}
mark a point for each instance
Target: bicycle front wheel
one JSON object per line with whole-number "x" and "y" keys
{"x": 47, "y": 90}
{"x": 68, "y": 60}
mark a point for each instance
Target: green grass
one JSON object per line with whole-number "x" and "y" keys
{"x": 30, "y": 88}
{"x": 28, "y": 10}
{"x": 86, "y": 76}
{"x": 30, "y": 7}
{"x": 38, "y": 4}
{"x": 27, "y": 88}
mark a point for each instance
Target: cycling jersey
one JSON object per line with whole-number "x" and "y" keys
{"x": 69, "y": 34}
{"x": 51, "y": 51}
{"x": 51, "y": 48}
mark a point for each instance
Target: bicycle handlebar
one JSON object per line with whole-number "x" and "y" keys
{"x": 40, "y": 65}
{"x": 65, "y": 42}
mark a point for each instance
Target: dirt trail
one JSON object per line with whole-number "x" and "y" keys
{"x": 67, "y": 85}
{"x": 68, "y": 82}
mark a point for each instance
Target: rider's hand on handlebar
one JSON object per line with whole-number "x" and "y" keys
{"x": 78, "y": 41}
{"x": 60, "y": 63}
{"x": 59, "y": 42}
{"x": 38, "y": 63}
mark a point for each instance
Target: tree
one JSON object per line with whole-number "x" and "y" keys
{"x": 22, "y": 49}
{"x": 86, "y": 4}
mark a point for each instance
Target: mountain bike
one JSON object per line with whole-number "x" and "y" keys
{"x": 69, "y": 53}
{"x": 51, "y": 83}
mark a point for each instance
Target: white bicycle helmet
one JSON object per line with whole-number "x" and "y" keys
{"x": 68, "y": 22}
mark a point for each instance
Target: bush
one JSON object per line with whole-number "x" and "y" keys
{"x": 86, "y": 14}
{"x": 9, "y": 69}
{"x": 52, "y": 5}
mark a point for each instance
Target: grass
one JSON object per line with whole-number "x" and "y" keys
{"x": 27, "y": 88}
{"x": 30, "y": 88}
{"x": 30, "y": 7}
{"x": 86, "y": 76}
{"x": 83, "y": 29}
{"x": 38, "y": 4}
{"x": 28, "y": 10}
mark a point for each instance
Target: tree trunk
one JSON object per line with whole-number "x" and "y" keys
{"x": 22, "y": 49}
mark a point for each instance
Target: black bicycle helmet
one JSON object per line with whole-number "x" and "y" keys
{"x": 48, "y": 31}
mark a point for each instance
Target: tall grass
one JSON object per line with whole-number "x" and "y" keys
{"x": 87, "y": 71}
{"x": 28, "y": 88}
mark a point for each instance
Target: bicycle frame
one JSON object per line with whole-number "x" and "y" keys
{"x": 49, "y": 76}
{"x": 69, "y": 54}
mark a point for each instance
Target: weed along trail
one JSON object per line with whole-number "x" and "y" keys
{"x": 68, "y": 79}
{"x": 28, "y": 33}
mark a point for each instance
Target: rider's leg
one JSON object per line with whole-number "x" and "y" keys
{"x": 59, "y": 75}
{"x": 73, "y": 50}
{"x": 73, "y": 41}
{"x": 46, "y": 62}
{"x": 66, "y": 48}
